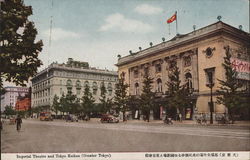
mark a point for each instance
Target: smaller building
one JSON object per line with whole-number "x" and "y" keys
{"x": 70, "y": 77}
{"x": 23, "y": 103}
{"x": 11, "y": 95}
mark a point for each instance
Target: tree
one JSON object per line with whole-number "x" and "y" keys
{"x": 9, "y": 110}
{"x": 87, "y": 101}
{"x": 103, "y": 98}
{"x": 71, "y": 103}
{"x": 121, "y": 98}
{"x": 63, "y": 104}
{"x": 147, "y": 96}
{"x": 18, "y": 49}
{"x": 56, "y": 104}
{"x": 229, "y": 92}
{"x": 178, "y": 94}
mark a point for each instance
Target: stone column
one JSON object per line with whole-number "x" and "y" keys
{"x": 195, "y": 70}
{"x": 130, "y": 81}
{"x": 179, "y": 61}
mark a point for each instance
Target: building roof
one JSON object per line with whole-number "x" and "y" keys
{"x": 181, "y": 39}
{"x": 15, "y": 87}
{"x": 80, "y": 68}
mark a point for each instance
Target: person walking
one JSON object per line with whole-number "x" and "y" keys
{"x": 18, "y": 123}
{"x": 180, "y": 117}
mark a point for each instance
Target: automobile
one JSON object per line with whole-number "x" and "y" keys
{"x": 109, "y": 119}
{"x": 46, "y": 116}
{"x": 71, "y": 118}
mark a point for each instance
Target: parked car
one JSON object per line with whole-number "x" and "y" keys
{"x": 46, "y": 116}
{"x": 109, "y": 119}
{"x": 71, "y": 118}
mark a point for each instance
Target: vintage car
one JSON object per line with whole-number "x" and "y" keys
{"x": 109, "y": 118}
{"x": 46, "y": 116}
{"x": 71, "y": 118}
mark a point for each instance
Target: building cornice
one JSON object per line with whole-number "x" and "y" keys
{"x": 54, "y": 66}
{"x": 210, "y": 31}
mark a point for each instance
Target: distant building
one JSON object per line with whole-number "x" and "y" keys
{"x": 11, "y": 95}
{"x": 199, "y": 56}
{"x": 23, "y": 103}
{"x": 60, "y": 79}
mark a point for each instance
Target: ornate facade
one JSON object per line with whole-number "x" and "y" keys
{"x": 60, "y": 79}
{"x": 199, "y": 57}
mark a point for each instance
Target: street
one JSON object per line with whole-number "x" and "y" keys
{"x": 61, "y": 136}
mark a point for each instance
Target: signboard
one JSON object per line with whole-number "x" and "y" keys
{"x": 188, "y": 113}
{"x": 242, "y": 68}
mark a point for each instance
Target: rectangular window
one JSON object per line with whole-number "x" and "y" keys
{"x": 136, "y": 73}
{"x": 157, "y": 68}
{"x": 210, "y": 77}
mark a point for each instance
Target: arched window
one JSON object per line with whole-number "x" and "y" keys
{"x": 69, "y": 86}
{"x": 78, "y": 87}
{"x": 69, "y": 82}
{"x": 86, "y": 83}
{"x": 136, "y": 89}
{"x": 188, "y": 78}
{"x": 95, "y": 88}
{"x": 159, "y": 85}
{"x": 78, "y": 84}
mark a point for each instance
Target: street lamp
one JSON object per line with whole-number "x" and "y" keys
{"x": 211, "y": 105}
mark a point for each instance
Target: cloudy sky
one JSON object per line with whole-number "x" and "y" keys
{"x": 97, "y": 31}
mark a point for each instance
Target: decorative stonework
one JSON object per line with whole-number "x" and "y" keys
{"x": 209, "y": 52}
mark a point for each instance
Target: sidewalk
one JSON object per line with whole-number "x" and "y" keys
{"x": 175, "y": 123}
{"x": 191, "y": 123}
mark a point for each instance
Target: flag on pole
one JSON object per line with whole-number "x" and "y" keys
{"x": 173, "y": 18}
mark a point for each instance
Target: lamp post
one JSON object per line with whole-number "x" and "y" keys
{"x": 211, "y": 105}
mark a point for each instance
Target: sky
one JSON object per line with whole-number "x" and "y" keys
{"x": 96, "y": 31}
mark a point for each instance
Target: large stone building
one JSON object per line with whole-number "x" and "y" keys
{"x": 11, "y": 95}
{"x": 199, "y": 56}
{"x": 60, "y": 79}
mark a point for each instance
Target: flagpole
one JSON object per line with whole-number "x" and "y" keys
{"x": 169, "y": 29}
{"x": 176, "y": 23}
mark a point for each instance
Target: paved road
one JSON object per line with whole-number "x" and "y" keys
{"x": 58, "y": 136}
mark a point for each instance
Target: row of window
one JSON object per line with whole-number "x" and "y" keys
{"x": 41, "y": 101}
{"x": 158, "y": 67}
{"x": 94, "y": 84}
{"x": 43, "y": 93}
{"x": 78, "y": 91}
{"x": 85, "y": 75}
{"x": 42, "y": 85}
{"x": 158, "y": 82}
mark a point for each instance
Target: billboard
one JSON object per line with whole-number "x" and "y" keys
{"x": 242, "y": 68}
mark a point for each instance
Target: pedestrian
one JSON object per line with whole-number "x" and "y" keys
{"x": 18, "y": 122}
{"x": 180, "y": 117}
{"x": 1, "y": 125}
